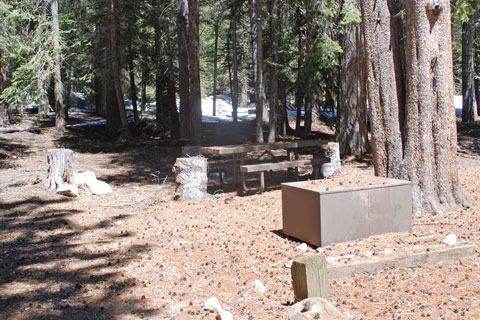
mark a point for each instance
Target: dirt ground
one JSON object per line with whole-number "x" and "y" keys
{"x": 136, "y": 253}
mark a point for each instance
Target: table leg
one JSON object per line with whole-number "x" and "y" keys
{"x": 262, "y": 182}
{"x": 235, "y": 169}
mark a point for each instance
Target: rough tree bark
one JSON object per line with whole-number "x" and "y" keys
{"x": 469, "y": 109}
{"x": 427, "y": 155}
{"x": 61, "y": 168}
{"x": 257, "y": 34}
{"x": 352, "y": 132}
{"x": 195, "y": 97}
{"x": 191, "y": 178}
{"x": 115, "y": 65}
{"x": 4, "y": 114}
{"x": 235, "y": 86}
{"x": 215, "y": 69}
{"x": 273, "y": 98}
{"x": 57, "y": 78}
{"x": 189, "y": 70}
{"x": 131, "y": 59}
{"x": 299, "y": 90}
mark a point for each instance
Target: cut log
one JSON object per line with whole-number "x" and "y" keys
{"x": 191, "y": 178}
{"x": 309, "y": 277}
{"x": 331, "y": 151}
{"x": 61, "y": 169}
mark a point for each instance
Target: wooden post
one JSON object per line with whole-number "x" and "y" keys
{"x": 309, "y": 277}
{"x": 191, "y": 178}
{"x": 61, "y": 169}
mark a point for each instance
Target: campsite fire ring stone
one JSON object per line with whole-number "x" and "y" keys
{"x": 320, "y": 213}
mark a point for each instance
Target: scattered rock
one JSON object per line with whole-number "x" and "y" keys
{"x": 259, "y": 287}
{"x": 303, "y": 247}
{"x": 89, "y": 181}
{"x": 213, "y": 305}
{"x": 224, "y": 315}
{"x": 69, "y": 190}
{"x": 450, "y": 239}
{"x": 314, "y": 308}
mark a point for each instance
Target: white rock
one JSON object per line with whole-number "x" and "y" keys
{"x": 450, "y": 239}
{"x": 303, "y": 247}
{"x": 212, "y": 304}
{"x": 453, "y": 299}
{"x": 89, "y": 180}
{"x": 259, "y": 287}
{"x": 288, "y": 264}
{"x": 224, "y": 315}
{"x": 314, "y": 308}
{"x": 84, "y": 177}
{"x": 69, "y": 190}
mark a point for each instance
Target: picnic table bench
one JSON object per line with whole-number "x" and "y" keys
{"x": 242, "y": 166}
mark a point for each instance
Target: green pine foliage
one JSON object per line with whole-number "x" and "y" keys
{"x": 27, "y": 42}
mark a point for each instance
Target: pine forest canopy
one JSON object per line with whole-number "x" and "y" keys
{"x": 273, "y": 52}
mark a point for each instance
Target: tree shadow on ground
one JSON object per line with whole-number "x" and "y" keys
{"x": 143, "y": 160}
{"x": 147, "y": 158}
{"x": 46, "y": 272}
{"x": 10, "y": 151}
{"x": 469, "y": 136}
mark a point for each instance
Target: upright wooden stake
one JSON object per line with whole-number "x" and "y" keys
{"x": 309, "y": 277}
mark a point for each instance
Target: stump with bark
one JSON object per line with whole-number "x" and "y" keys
{"x": 332, "y": 151}
{"x": 61, "y": 170}
{"x": 191, "y": 178}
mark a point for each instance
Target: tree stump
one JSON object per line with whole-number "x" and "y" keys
{"x": 61, "y": 169}
{"x": 332, "y": 151}
{"x": 309, "y": 277}
{"x": 191, "y": 178}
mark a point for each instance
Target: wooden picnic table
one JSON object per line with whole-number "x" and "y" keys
{"x": 239, "y": 152}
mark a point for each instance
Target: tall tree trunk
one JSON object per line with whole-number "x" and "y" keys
{"x": 309, "y": 92}
{"x": 168, "y": 98}
{"x": 133, "y": 87}
{"x": 257, "y": 34}
{"x": 115, "y": 63}
{"x": 4, "y": 114}
{"x": 215, "y": 67}
{"x": 183, "y": 71}
{"x": 100, "y": 71}
{"x": 100, "y": 95}
{"x": 57, "y": 76}
{"x": 131, "y": 61}
{"x": 382, "y": 93}
{"x": 284, "y": 125}
{"x": 299, "y": 90}
{"x": 189, "y": 69}
{"x": 145, "y": 76}
{"x": 352, "y": 134}
{"x": 428, "y": 155}
{"x": 243, "y": 89}
{"x": 195, "y": 97}
{"x": 235, "y": 67}
{"x": 273, "y": 99}
{"x": 43, "y": 104}
{"x": 68, "y": 92}
{"x": 469, "y": 109}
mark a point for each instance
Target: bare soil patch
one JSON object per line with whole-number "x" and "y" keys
{"x": 137, "y": 254}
